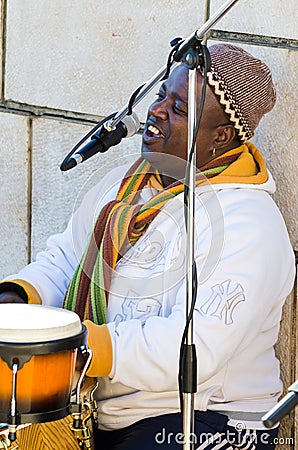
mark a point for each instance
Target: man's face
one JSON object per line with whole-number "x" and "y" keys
{"x": 165, "y": 138}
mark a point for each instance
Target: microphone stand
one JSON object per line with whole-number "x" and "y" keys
{"x": 197, "y": 57}
{"x": 189, "y": 362}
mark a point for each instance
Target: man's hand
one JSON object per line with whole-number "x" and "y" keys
{"x": 10, "y": 297}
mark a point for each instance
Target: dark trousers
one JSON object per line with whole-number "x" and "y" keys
{"x": 165, "y": 432}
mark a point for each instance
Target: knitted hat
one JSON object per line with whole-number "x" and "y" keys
{"x": 243, "y": 85}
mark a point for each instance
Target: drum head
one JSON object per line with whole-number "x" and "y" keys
{"x": 36, "y": 323}
{"x": 38, "y": 349}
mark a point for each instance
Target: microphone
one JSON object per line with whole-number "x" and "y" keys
{"x": 103, "y": 140}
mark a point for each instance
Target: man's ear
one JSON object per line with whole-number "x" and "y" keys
{"x": 225, "y": 135}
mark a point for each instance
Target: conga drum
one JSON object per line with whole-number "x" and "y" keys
{"x": 38, "y": 353}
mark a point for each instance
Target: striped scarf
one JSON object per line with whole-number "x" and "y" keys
{"x": 120, "y": 224}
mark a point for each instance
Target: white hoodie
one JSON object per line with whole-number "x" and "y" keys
{"x": 245, "y": 266}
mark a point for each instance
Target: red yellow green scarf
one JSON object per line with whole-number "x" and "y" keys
{"x": 123, "y": 221}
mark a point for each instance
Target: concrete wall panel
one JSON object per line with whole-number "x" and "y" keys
{"x": 13, "y": 193}
{"x": 81, "y": 56}
{"x": 277, "y": 135}
{"x": 266, "y": 17}
{"x": 1, "y": 46}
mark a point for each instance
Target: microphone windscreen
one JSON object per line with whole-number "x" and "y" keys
{"x": 132, "y": 124}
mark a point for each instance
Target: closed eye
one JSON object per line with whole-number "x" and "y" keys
{"x": 178, "y": 109}
{"x": 160, "y": 96}
{"x": 179, "y": 106}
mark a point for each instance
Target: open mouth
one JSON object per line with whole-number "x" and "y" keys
{"x": 153, "y": 132}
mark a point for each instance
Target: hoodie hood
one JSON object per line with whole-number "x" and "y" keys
{"x": 249, "y": 170}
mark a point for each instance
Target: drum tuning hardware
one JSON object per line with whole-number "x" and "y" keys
{"x": 92, "y": 405}
{"x": 82, "y": 413}
{"x": 13, "y": 416}
{"x": 6, "y": 444}
{"x": 79, "y": 424}
{"x": 81, "y": 431}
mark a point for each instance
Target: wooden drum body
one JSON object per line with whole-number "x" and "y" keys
{"x": 38, "y": 351}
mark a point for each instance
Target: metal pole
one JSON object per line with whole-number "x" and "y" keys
{"x": 188, "y": 397}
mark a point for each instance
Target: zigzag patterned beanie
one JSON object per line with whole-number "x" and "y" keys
{"x": 243, "y": 85}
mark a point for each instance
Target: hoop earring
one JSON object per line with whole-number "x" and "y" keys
{"x": 213, "y": 152}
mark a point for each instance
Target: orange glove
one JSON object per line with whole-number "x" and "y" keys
{"x": 100, "y": 342}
